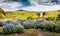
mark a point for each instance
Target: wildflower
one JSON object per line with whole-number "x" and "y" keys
{"x": 20, "y": 28}
{"x": 57, "y": 28}
{"x": 9, "y": 28}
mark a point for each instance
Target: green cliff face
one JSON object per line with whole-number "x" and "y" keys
{"x": 2, "y": 11}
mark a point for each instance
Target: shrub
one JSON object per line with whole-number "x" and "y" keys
{"x": 20, "y": 28}
{"x": 10, "y": 21}
{"x": 58, "y": 17}
{"x": 58, "y": 22}
{"x": 9, "y": 28}
{"x": 49, "y": 18}
{"x": 29, "y": 26}
{"x": 41, "y": 23}
{"x": 18, "y": 21}
{"x": 29, "y": 17}
{"x": 2, "y": 23}
{"x": 46, "y": 27}
{"x": 50, "y": 28}
{"x": 57, "y": 29}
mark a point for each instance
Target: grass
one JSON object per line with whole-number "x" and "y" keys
{"x": 1, "y": 29}
{"x": 32, "y": 31}
{"x": 26, "y": 14}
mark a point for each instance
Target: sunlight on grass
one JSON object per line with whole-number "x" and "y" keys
{"x": 26, "y": 14}
{"x": 1, "y": 29}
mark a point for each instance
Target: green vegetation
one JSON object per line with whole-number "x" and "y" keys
{"x": 58, "y": 17}
{"x": 27, "y": 14}
{"x": 2, "y": 11}
{"x": 20, "y": 28}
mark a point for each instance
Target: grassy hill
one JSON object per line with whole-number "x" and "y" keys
{"x": 51, "y": 14}
{"x": 22, "y": 14}
{"x": 2, "y": 13}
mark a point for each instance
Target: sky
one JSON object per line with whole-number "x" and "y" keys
{"x": 11, "y": 5}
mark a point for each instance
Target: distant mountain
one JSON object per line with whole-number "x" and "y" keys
{"x": 20, "y": 10}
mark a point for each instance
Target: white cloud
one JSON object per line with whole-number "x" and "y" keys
{"x": 10, "y": 6}
{"x": 37, "y": 2}
{"x": 42, "y": 8}
{"x": 2, "y": 0}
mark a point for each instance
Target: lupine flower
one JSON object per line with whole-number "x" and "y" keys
{"x": 41, "y": 21}
{"x": 9, "y": 21}
{"x": 57, "y": 28}
{"x": 26, "y": 22}
{"x": 29, "y": 22}
{"x": 33, "y": 21}
{"x": 19, "y": 28}
{"x": 47, "y": 22}
{"x": 18, "y": 21}
{"x": 2, "y": 23}
{"x": 9, "y": 28}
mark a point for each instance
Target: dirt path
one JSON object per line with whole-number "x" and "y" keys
{"x": 31, "y": 32}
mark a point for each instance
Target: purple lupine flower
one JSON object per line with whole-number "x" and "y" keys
{"x": 18, "y": 21}
{"x": 9, "y": 21}
{"x": 9, "y": 25}
{"x": 26, "y": 22}
{"x": 9, "y": 28}
{"x": 19, "y": 26}
{"x": 41, "y": 21}
{"x": 48, "y": 22}
{"x": 33, "y": 21}
{"x": 45, "y": 23}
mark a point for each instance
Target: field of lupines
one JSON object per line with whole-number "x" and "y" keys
{"x": 19, "y": 26}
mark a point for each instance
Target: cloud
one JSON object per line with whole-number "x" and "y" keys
{"x": 42, "y": 8}
{"x": 2, "y": 0}
{"x": 10, "y": 6}
{"x": 16, "y": 0}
